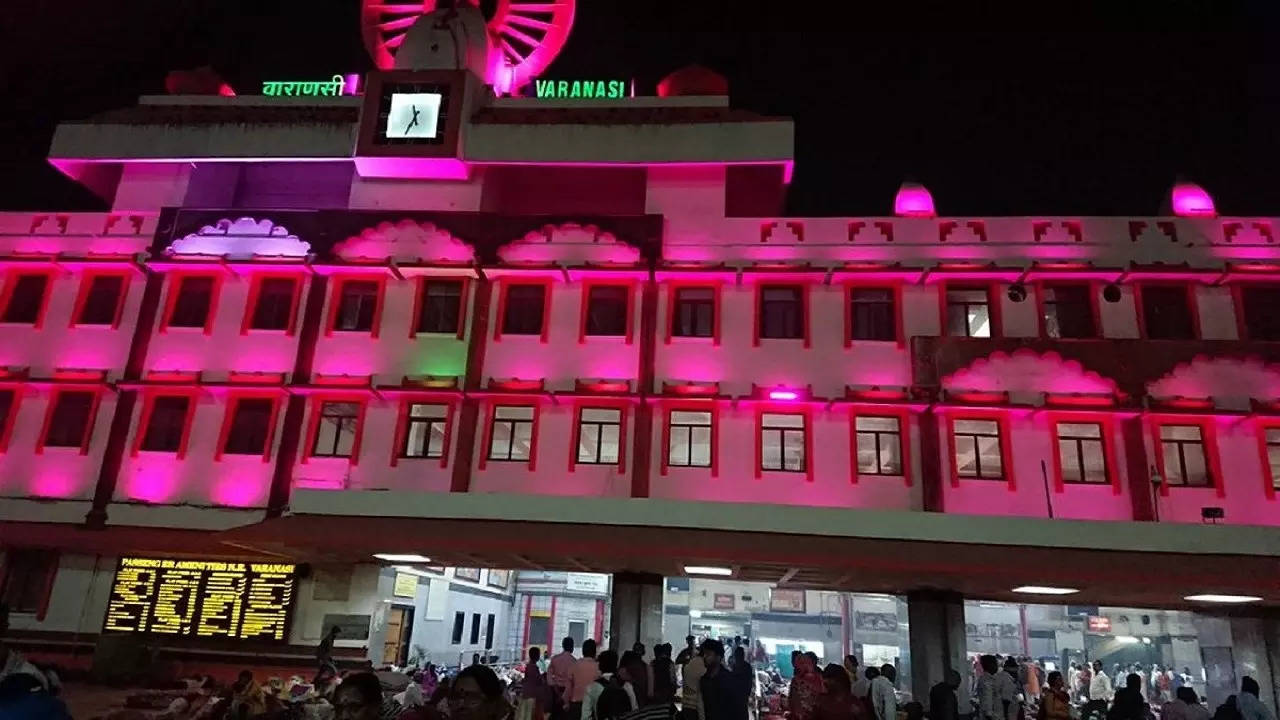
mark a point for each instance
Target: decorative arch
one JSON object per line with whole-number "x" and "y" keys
{"x": 242, "y": 237}
{"x": 569, "y": 243}
{"x": 1218, "y": 377}
{"x": 1026, "y": 371}
{"x": 406, "y": 241}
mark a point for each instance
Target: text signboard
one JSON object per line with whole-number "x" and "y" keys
{"x": 1099, "y": 624}
{"x": 558, "y": 89}
{"x": 724, "y": 601}
{"x": 201, "y": 598}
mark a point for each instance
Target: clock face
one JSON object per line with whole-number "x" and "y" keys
{"x": 413, "y": 115}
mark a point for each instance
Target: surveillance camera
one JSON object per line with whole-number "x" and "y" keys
{"x": 1111, "y": 293}
{"x": 1017, "y": 292}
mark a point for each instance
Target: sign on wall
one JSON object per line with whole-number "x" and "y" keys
{"x": 580, "y": 88}
{"x": 876, "y": 621}
{"x": 1099, "y": 624}
{"x": 333, "y": 87}
{"x": 786, "y": 600}
{"x": 469, "y": 574}
{"x": 499, "y": 578}
{"x": 201, "y": 598}
{"x": 724, "y": 601}
{"x": 594, "y": 583}
{"x": 406, "y": 585}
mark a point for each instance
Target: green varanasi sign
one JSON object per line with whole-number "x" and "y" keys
{"x": 555, "y": 89}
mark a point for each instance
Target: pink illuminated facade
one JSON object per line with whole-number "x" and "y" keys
{"x": 588, "y": 313}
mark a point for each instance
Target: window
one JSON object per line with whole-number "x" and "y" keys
{"x": 1182, "y": 449}
{"x": 1081, "y": 454}
{"x": 26, "y": 300}
{"x": 475, "y": 628}
{"x": 194, "y": 301}
{"x": 488, "y": 632}
{"x": 1258, "y": 309}
{"x": 879, "y": 445}
{"x": 357, "y": 305}
{"x": 425, "y": 431}
{"x": 69, "y": 424}
{"x": 694, "y": 314}
{"x": 336, "y": 435}
{"x": 102, "y": 300}
{"x": 781, "y": 312}
{"x": 512, "y": 436}
{"x": 607, "y": 310}
{"x": 27, "y": 579}
{"x": 166, "y": 424}
{"x": 968, "y": 312}
{"x": 599, "y": 436}
{"x": 6, "y": 407}
{"x": 1166, "y": 313}
{"x": 274, "y": 308}
{"x": 1068, "y": 312}
{"x": 689, "y": 442}
{"x": 1272, "y": 438}
{"x": 459, "y": 622}
{"x": 522, "y": 314}
{"x": 250, "y": 426}
{"x": 872, "y": 315}
{"x": 978, "y": 453}
{"x": 782, "y": 442}
{"x": 441, "y": 307}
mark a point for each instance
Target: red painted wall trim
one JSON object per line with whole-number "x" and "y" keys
{"x": 469, "y": 409}
{"x": 1137, "y": 467}
{"x": 1260, "y": 428}
{"x": 148, "y": 405}
{"x": 598, "y": 632}
{"x": 335, "y": 301}
{"x": 54, "y": 396}
{"x": 232, "y": 405}
{"x": 903, "y": 416}
{"x": 255, "y": 290}
{"x": 551, "y": 627}
{"x": 11, "y": 282}
{"x": 504, "y": 285}
{"x": 1108, "y": 430}
{"x": 1208, "y": 436}
{"x": 1006, "y": 443}
{"x": 528, "y": 621}
{"x": 82, "y": 295}
{"x": 7, "y": 422}
{"x": 175, "y": 280}
{"x": 642, "y": 439}
{"x": 402, "y": 428}
{"x": 933, "y": 496}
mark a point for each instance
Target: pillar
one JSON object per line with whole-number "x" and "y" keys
{"x": 1138, "y": 469}
{"x": 937, "y": 640}
{"x": 636, "y": 613}
{"x": 931, "y": 463}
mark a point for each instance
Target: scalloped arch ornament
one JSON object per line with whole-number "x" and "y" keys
{"x": 406, "y": 241}
{"x": 569, "y": 243}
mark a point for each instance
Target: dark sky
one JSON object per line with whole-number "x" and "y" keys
{"x": 998, "y": 112}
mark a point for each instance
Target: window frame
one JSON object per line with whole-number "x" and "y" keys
{"x": 707, "y": 406}
{"x": 1208, "y": 441}
{"x": 10, "y": 419}
{"x": 1006, "y": 451}
{"x": 420, "y": 303}
{"x": 895, "y": 300}
{"x": 90, "y": 425}
{"x": 11, "y": 284}
{"x": 673, "y": 295}
{"x": 1095, "y": 311}
{"x": 173, "y": 289}
{"x": 313, "y": 429}
{"x": 801, "y": 411}
{"x": 506, "y": 284}
{"x": 904, "y": 441}
{"x": 459, "y": 627}
{"x": 994, "y": 315}
{"x": 335, "y": 304}
{"x": 1269, "y": 479}
{"x": 1193, "y": 307}
{"x": 585, "y": 310}
{"x": 228, "y": 420}
{"x": 1107, "y": 426}
{"x": 54, "y": 560}
{"x": 82, "y": 297}
{"x": 576, "y": 435}
{"x": 403, "y": 421}
{"x": 255, "y": 293}
{"x": 148, "y": 410}
{"x": 490, "y": 417}
{"x": 805, "y": 312}
{"x": 1238, "y": 290}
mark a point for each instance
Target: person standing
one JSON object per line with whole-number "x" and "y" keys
{"x": 988, "y": 691}
{"x": 608, "y": 667}
{"x": 535, "y": 694}
{"x": 558, "y": 673}
{"x": 584, "y": 672}
{"x": 944, "y": 704}
{"x": 806, "y": 686}
{"x": 884, "y": 693}
{"x": 851, "y": 667}
{"x": 1247, "y": 702}
{"x": 691, "y": 692}
{"x": 1129, "y": 703}
{"x": 1100, "y": 687}
{"x": 723, "y": 692}
{"x": 836, "y": 702}
{"x": 1010, "y": 690}
{"x": 663, "y": 670}
{"x": 688, "y": 652}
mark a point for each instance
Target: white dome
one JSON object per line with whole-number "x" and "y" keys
{"x": 453, "y": 39}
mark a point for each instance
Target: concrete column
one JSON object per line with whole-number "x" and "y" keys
{"x": 937, "y": 640}
{"x": 636, "y": 613}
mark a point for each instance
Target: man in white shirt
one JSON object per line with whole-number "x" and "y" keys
{"x": 884, "y": 693}
{"x": 691, "y": 694}
{"x": 1100, "y": 687}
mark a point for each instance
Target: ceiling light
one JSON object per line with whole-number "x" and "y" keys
{"x": 783, "y": 395}
{"x": 1229, "y": 599}
{"x": 707, "y": 570}
{"x": 1045, "y": 590}
{"x": 402, "y": 557}
{"x": 1127, "y": 639}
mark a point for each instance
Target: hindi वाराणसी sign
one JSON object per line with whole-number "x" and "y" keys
{"x": 333, "y": 87}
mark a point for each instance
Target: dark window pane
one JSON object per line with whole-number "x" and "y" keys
{"x": 26, "y": 579}
{"x": 977, "y": 444}
{"x": 459, "y": 621}
{"x": 1166, "y": 313}
{"x": 522, "y": 314}
{"x": 1068, "y": 312}
{"x": 357, "y": 305}
{"x": 694, "y": 313}
{"x": 191, "y": 308}
{"x": 871, "y": 314}
{"x": 102, "y": 300}
{"x": 70, "y": 421}
{"x": 1261, "y": 311}
{"x": 475, "y": 628}
{"x": 275, "y": 304}
{"x": 26, "y": 300}
{"x": 607, "y": 311}
{"x": 6, "y": 406}
{"x": 441, "y": 307}
{"x": 250, "y": 427}
{"x": 781, "y": 312}
{"x": 968, "y": 312}
{"x": 164, "y": 428}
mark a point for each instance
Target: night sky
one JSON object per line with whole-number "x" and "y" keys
{"x": 997, "y": 113}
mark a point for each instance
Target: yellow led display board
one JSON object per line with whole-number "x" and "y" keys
{"x": 201, "y": 598}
